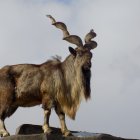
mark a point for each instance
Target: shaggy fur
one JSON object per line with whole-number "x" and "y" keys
{"x": 51, "y": 83}
{"x": 57, "y": 84}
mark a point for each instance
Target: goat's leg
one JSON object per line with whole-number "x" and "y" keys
{"x": 3, "y": 131}
{"x": 61, "y": 116}
{"x": 7, "y": 88}
{"x": 46, "y": 126}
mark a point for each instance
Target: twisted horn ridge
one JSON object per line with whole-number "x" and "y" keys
{"x": 74, "y": 39}
{"x": 91, "y": 45}
{"x": 63, "y": 27}
{"x": 59, "y": 25}
{"x": 51, "y": 18}
{"x": 89, "y": 36}
{"x": 88, "y": 42}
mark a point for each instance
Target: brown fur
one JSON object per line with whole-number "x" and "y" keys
{"x": 48, "y": 84}
{"x": 57, "y": 84}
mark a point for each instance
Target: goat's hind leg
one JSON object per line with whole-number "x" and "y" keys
{"x": 3, "y": 114}
{"x": 3, "y": 131}
{"x": 3, "y": 110}
{"x": 7, "y": 88}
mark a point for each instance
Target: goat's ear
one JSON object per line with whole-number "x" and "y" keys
{"x": 72, "y": 51}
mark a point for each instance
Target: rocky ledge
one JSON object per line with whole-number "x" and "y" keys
{"x": 34, "y": 132}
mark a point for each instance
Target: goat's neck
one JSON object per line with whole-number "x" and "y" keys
{"x": 75, "y": 88}
{"x": 77, "y": 79}
{"x": 74, "y": 77}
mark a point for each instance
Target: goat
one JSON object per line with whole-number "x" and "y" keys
{"x": 54, "y": 84}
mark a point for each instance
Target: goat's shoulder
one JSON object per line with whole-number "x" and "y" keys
{"x": 52, "y": 63}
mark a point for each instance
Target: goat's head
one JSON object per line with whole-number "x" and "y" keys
{"x": 82, "y": 53}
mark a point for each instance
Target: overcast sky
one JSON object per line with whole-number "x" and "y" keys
{"x": 27, "y": 36}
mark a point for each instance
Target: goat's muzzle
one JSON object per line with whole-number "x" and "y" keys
{"x": 87, "y": 66}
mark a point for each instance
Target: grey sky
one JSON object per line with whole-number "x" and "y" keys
{"x": 27, "y": 36}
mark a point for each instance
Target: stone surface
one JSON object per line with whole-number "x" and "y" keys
{"x": 34, "y": 132}
{"x": 27, "y": 129}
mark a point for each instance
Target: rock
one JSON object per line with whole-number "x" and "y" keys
{"x": 27, "y": 129}
{"x": 35, "y": 132}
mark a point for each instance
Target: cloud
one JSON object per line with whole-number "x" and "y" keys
{"x": 28, "y": 37}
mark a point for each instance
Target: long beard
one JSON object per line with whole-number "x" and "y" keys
{"x": 86, "y": 82}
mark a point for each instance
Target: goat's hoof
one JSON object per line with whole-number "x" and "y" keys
{"x": 67, "y": 133}
{"x": 4, "y": 134}
{"x": 47, "y": 130}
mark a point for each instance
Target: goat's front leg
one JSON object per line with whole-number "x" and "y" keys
{"x": 61, "y": 116}
{"x": 46, "y": 127}
{"x": 64, "y": 129}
